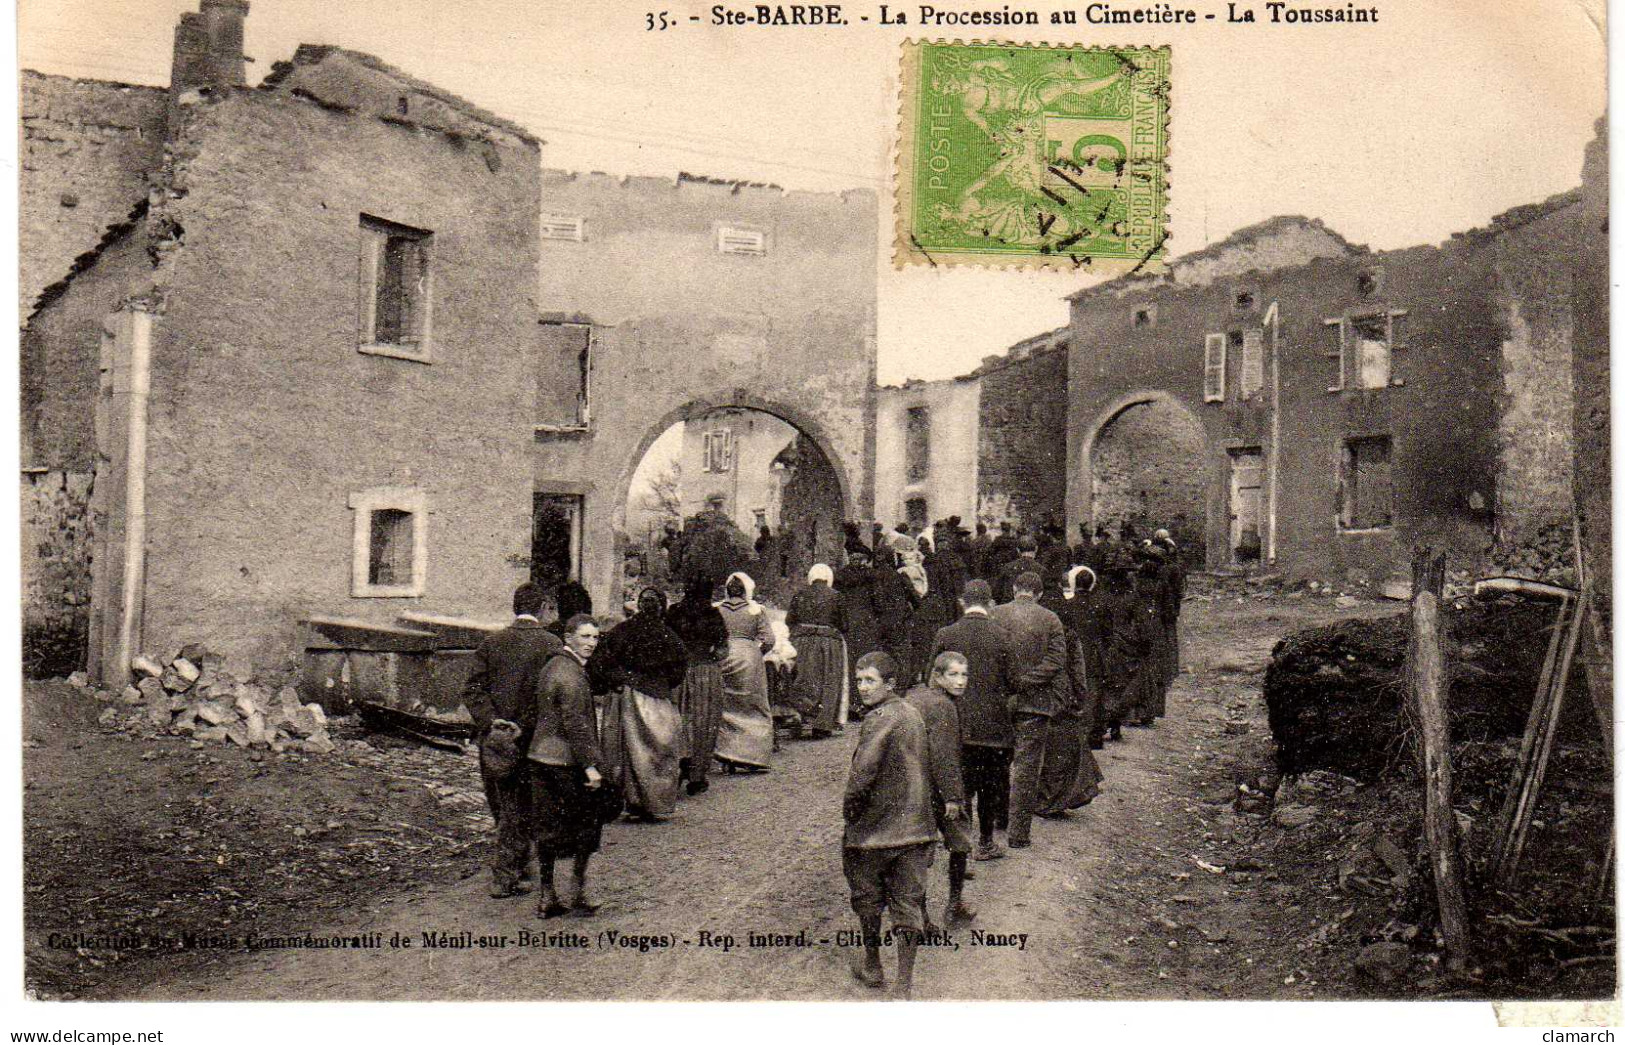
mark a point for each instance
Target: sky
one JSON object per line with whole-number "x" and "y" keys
{"x": 1432, "y": 121}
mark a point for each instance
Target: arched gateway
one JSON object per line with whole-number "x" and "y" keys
{"x": 1145, "y": 462}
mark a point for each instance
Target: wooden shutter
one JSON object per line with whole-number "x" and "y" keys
{"x": 372, "y": 245}
{"x": 1341, "y": 351}
{"x": 1213, "y": 369}
{"x": 1252, "y": 360}
{"x": 561, "y": 374}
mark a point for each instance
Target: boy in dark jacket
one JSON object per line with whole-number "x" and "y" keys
{"x": 891, "y": 825}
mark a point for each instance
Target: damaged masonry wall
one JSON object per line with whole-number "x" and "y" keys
{"x": 87, "y": 147}
{"x": 266, "y": 417}
{"x": 681, "y": 328}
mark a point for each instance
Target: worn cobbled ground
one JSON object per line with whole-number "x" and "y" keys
{"x": 1142, "y": 894}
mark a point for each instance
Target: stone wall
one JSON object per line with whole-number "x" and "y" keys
{"x": 1147, "y": 471}
{"x": 1592, "y": 451}
{"x": 1535, "y": 485}
{"x": 265, "y": 416}
{"x": 1021, "y": 474}
{"x": 1135, "y": 341}
{"x": 56, "y": 542}
{"x": 683, "y": 328}
{"x": 953, "y": 408}
{"x": 87, "y": 148}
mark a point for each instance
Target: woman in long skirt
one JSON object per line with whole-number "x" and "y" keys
{"x": 639, "y": 662}
{"x": 817, "y": 628}
{"x": 699, "y": 624}
{"x": 745, "y": 734}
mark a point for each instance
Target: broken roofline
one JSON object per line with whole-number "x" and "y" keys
{"x": 1505, "y": 221}
{"x": 315, "y": 54}
{"x": 734, "y": 186}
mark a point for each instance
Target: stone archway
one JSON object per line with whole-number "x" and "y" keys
{"x": 814, "y": 498}
{"x": 1145, "y": 461}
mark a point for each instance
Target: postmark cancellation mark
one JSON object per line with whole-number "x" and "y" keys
{"x": 1032, "y": 156}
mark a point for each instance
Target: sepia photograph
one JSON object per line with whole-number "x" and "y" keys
{"x": 1031, "y": 502}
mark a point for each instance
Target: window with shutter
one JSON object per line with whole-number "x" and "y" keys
{"x": 724, "y": 444}
{"x": 1367, "y": 484}
{"x": 1213, "y": 368}
{"x": 1339, "y": 352}
{"x": 1252, "y": 361}
{"x": 564, "y": 375}
{"x": 394, "y": 289}
{"x": 1370, "y": 355}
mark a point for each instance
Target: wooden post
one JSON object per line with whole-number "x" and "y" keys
{"x": 1429, "y": 692}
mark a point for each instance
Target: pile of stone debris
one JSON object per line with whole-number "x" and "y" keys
{"x": 191, "y": 695}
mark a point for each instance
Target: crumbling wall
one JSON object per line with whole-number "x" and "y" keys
{"x": 1592, "y": 451}
{"x": 87, "y": 148}
{"x": 56, "y": 533}
{"x": 683, "y": 328}
{"x": 950, "y": 485}
{"x": 1021, "y": 440}
{"x": 1535, "y": 483}
{"x": 265, "y": 416}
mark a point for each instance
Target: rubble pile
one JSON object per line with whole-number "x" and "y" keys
{"x": 1547, "y": 555}
{"x": 191, "y": 695}
{"x": 1336, "y": 693}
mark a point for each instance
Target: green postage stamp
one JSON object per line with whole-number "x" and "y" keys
{"x": 1033, "y": 156}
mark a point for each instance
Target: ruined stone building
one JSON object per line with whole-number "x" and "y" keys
{"x": 989, "y": 445}
{"x": 1286, "y": 399}
{"x": 338, "y": 346}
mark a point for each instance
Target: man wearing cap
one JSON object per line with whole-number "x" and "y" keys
{"x": 500, "y": 695}
{"x": 986, "y": 734}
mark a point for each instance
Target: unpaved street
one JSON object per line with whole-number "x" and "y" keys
{"x": 1113, "y": 903}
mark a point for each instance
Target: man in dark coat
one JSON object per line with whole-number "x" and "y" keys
{"x": 860, "y": 605}
{"x": 986, "y": 733}
{"x": 1025, "y": 561}
{"x": 1002, "y": 549}
{"x": 501, "y": 688}
{"x": 934, "y": 699}
{"x": 975, "y": 553}
{"x": 564, "y": 755}
{"x": 1039, "y": 640}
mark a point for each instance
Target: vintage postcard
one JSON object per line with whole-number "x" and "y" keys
{"x": 1029, "y": 502}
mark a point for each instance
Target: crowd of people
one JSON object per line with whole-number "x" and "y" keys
{"x": 986, "y": 670}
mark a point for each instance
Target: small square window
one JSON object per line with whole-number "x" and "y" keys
{"x": 1245, "y": 300}
{"x": 390, "y": 559}
{"x": 1145, "y": 316}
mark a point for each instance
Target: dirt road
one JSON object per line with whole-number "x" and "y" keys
{"x": 1113, "y": 903}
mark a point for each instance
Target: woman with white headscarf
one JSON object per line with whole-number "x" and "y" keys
{"x": 817, "y": 624}
{"x": 745, "y": 734}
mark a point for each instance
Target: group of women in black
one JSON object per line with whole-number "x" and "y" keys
{"x": 686, "y": 686}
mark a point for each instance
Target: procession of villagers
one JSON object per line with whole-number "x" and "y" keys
{"x": 984, "y": 669}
